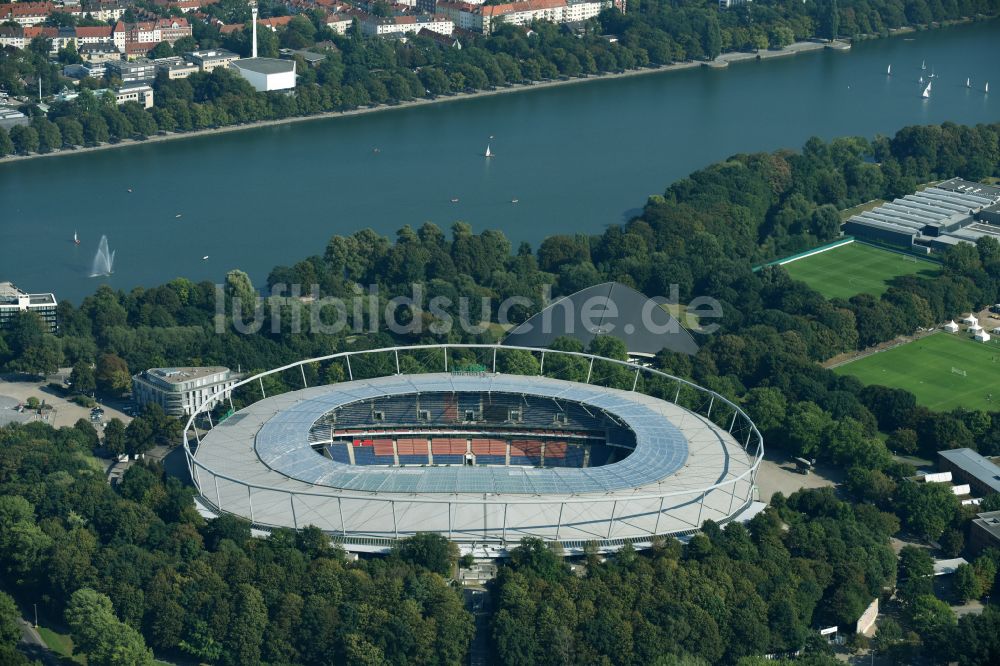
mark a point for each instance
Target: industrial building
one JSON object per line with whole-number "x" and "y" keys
{"x": 13, "y": 301}
{"x": 181, "y": 391}
{"x": 982, "y": 475}
{"x": 935, "y": 218}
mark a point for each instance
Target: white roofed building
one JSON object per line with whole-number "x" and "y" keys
{"x": 264, "y": 74}
{"x": 180, "y": 391}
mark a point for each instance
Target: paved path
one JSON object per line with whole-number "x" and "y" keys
{"x": 34, "y": 647}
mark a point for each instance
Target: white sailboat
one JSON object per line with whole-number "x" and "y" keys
{"x": 986, "y": 89}
{"x": 927, "y": 91}
{"x": 76, "y": 239}
{"x": 888, "y": 71}
{"x": 968, "y": 83}
{"x": 920, "y": 80}
{"x": 488, "y": 153}
{"x": 923, "y": 64}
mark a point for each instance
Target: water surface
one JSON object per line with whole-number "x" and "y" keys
{"x": 576, "y": 157}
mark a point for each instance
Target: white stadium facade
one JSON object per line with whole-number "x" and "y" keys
{"x": 451, "y": 439}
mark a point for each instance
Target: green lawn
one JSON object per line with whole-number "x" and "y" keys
{"x": 855, "y": 269}
{"x": 61, "y": 644}
{"x": 924, "y": 368}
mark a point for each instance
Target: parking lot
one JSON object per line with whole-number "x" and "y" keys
{"x": 15, "y": 390}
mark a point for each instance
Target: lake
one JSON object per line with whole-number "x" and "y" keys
{"x": 577, "y": 158}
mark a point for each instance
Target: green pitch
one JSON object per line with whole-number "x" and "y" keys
{"x": 924, "y": 368}
{"x": 855, "y": 269}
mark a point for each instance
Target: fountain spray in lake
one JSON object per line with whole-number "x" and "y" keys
{"x": 104, "y": 260}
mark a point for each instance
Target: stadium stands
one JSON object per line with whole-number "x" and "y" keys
{"x": 384, "y": 453}
{"x": 388, "y": 431}
{"x": 448, "y": 450}
{"x": 490, "y": 451}
{"x": 412, "y": 451}
{"x": 339, "y": 452}
{"x": 525, "y": 452}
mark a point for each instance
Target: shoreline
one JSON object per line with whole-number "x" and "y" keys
{"x": 722, "y": 62}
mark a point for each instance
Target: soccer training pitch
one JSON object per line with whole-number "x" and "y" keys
{"x": 855, "y": 269}
{"x": 931, "y": 369}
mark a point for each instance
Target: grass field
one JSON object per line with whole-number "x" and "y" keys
{"x": 924, "y": 368}
{"x": 855, "y": 269}
{"x": 61, "y": 644}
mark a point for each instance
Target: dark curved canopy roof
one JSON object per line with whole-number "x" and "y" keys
{"x": 610, "y": 308}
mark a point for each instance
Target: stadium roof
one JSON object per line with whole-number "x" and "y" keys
{"x": 611, "y": 309}
{"x": 283, "y": 442}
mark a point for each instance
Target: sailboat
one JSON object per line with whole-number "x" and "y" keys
{"x": 923, "y": 64}
{"x": 488, "y": 153}
{"x": 921, "y": 80}
{"x": 76, "y": 239}
{"x": 927, "y": 91}
{"x": 888, "y": 71}
{"x": 986, "y": 89}
{"x": 968, "y": 83}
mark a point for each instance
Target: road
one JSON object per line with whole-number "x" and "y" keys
{"x": 477, "y": 602}
{"x": 33, "y": 646}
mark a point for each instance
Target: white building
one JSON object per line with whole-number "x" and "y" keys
{"x": 180, "y": 391}
{"x": 140, "y": 94}
{"x": 339, "y": 23}
{"x": 209, "y": 60}
{"x": 982, "y": 336}
{"x": 951, "y": 327}
{"x": 970, "y": 320}
{"x": 485, "y": 18}
{"x": 375, "y": 26}
{"x": 265, "y": 73}
{"x": 13, "y": 301}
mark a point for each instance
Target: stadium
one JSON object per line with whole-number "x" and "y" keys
{"x": 475, "y": 443}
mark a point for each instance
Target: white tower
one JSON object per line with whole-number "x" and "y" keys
{"x": 253, "y": 17}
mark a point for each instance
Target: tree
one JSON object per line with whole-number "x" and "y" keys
{"x": 99, "y": 634}
{"x": 10, "y": 632}
{"x": 6, "y": 145}
{"x": 82, "y": 379}
{"x": 112, "y": 375}
{"x": 33, "y": 350}
{"x": 115, "y": 440}
{"x": 926, "y": 508}
{"x": 71, "y": 131}
{"x": 25, "y": 139}
{"x": 952, "y": 542}
{"x": 916, "y": 571}
{"x": 967, "y": 583}
{"x": 430, "y": 550}
{"x": 830, "y": 20}
{"x": 162, "y": 50}
{"x": 246, "y": 631}
{"x": 929, "y": 615}
{"x": 140, "y": 436}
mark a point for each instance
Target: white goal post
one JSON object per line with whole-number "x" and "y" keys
{"x": 958, "y": 371}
